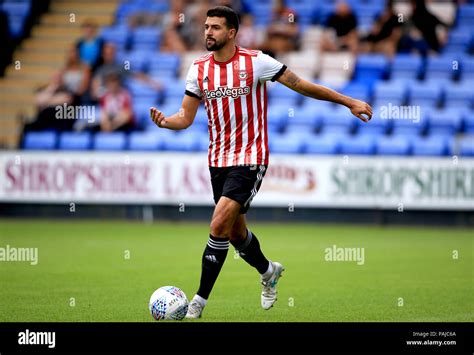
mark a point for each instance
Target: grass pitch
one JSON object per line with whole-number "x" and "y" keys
{"x": 106, "y": 271}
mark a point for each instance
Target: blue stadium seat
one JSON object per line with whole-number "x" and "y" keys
{"x": 186, "y": 141}
{"x": 425, "y": 94}
{"x": 146, "y": 38}
{"x": 378, "y": 125}
{"x": 357, "y": 91}
{"x": 465, "y": 15}
{"x": 359, "y": 144}
{"x": 445, "y": 122}
{"x": 280, "y": 93}
{"x": 467, "y": 66}
{"x": 338, "y": 120}
{"x": 441, "y": 68}
{"x": 459, "y": 95}
{"x": 304, "y": 117}
{"x": 40, "y": 141}
{"x": 468, "y": 118}
{"x": 303, "y": 9}
{"x": 432, "y": 145}
{"x": 110, "y": 141}
{"x": 145, "y": 141}
{"x": 262, "y": 13}
{"x": 286, "y": 144}
{"x": 390, "y": 92}
{"x": 323, "y": 144}
{"x": 370, "y": 68}
{"x": 458, "y": 42}
{"x": 165, "y": 62}
{"x": 141, "y": 111}
{"x": 410, "y": 123}
{"x": 466, "y": 146}
{"x": 393, "y": 145}
{"x": 175, "y": 90}
{"x": 406, "y": 66}
{"x": 138, "y": 59}
{"x": 75, "y": 141}
{"x": 120, "y": 35}
{"x": 140, "y": 89}
{"x": 278, "y": 116}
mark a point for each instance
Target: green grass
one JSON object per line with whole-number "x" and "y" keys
{"x": 85, "y": 261}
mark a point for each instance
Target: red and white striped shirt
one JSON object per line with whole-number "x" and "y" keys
{"x": 235, "y": 98}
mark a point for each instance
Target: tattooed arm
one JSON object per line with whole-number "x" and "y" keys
{"x": 304, "y": 87}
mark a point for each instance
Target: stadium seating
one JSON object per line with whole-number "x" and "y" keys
{"x": 359, "y": 144}
{"x": 145, "y": 141}
{"x": 110, "y": 141}
{"x": 75, "y": 141}
{"x": 432, "y": 145}
{"x": 466, "y": 146}
{"x": 393, "y": 145}
{"x": 40, "y": 141}
{"x": 437, "y": 88}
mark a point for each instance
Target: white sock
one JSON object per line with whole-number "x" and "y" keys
{"x": 199, "y": 299}
{"x": 269, "y": 271}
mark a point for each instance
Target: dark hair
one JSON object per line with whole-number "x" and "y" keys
{"x": 231, "y": 18}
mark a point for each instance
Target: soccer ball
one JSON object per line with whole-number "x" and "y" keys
{"x": 168, "y": 303}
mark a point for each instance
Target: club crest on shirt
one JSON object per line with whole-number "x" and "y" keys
{"x": 242, "y": 75}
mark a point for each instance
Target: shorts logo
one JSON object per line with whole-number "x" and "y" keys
{"x": 224, "y": 91}
{"x": 242, "y": 75}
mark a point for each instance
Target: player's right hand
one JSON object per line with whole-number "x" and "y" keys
{"x": 157, "y": 116}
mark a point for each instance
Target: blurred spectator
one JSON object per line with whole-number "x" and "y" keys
{"x": 283, "y": 32}
{"x": 90, "y": 45}
{"x": 47, "y": 100}
{"x": 421, "y": 32}
{"x": 173, "y": 28}
{"x": 247, "y": 37}
{"x": 385, "y": 32}
{"x": 341, "y": 30}
{"x": 116, "y": 106}
{"x": 76, "y": 75}
{"x": 111, "y": 66}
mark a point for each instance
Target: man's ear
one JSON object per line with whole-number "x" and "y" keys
{"x": 234, "y": 31}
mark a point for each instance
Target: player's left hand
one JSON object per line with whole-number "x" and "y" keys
{"x": 360, "y": 108}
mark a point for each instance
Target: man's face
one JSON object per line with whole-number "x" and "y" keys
{"x": 216, "y": 33}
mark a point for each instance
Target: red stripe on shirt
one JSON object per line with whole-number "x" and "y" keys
{"x": 238, "y": 115}
{"x": 259, "y": 118}
{"x": 226, "y": 115}
{"x": 215, "y": 114}
{"x": 250, "y": 114}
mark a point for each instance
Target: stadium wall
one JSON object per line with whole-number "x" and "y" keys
{"x": 147, "y": 186}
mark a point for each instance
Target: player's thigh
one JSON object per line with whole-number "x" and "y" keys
{"x": 242, "y": 184}
{"x": 224, "y": 217}
{"x": 218, "y": 178}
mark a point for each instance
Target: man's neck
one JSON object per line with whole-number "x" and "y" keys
{"x": 225, "y": 53}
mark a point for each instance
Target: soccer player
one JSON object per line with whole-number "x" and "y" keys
{"x": 231, "y": 82}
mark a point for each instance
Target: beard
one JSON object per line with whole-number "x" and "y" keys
{"x": 214, "y": 45}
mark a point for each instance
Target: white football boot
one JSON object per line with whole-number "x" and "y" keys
{"x": 195, "y": 309}
{"x": 269, "y": 292}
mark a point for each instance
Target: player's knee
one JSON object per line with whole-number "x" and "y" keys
{"x": 219, "y": 228}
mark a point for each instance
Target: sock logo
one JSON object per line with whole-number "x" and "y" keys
{"x": 212, "y": 258}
